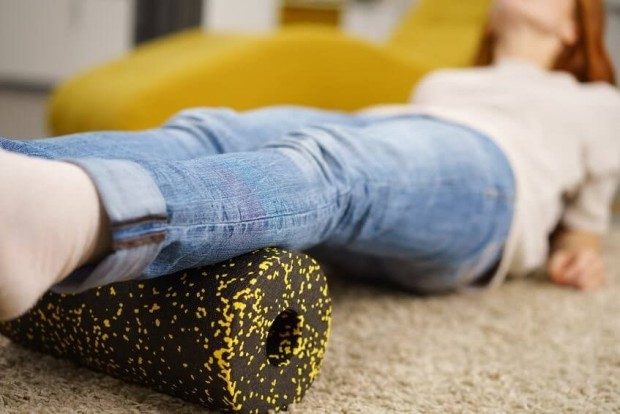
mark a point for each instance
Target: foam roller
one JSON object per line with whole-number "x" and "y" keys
{"x": 246, "y": 335}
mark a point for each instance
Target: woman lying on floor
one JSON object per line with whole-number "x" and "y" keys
{"x": 500, "y": 169}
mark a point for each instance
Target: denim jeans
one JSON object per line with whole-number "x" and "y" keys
{"x": 410, "y": 199}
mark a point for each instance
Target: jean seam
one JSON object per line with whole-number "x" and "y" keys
{"x": 228, "y": 223}
{"x": 322, "y": 207}
{"x": 121, "y": 225}
{"x": 142, "y": 240}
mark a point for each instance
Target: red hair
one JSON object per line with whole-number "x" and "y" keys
{"x": 587, "y": 59}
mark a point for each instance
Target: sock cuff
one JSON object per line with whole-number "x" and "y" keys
{"x": 138, "y": 218}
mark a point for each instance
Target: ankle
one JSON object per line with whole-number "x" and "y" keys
{"x": 51, "y": 222}
{"x": 93, "y": 238}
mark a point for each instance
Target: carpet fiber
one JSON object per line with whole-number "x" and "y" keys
{"x": 527, "y": 346}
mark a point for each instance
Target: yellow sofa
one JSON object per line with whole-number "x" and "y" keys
{"x": 306, "y": 65}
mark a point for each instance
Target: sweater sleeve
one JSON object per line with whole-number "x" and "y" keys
{"x": 590, "y": 209}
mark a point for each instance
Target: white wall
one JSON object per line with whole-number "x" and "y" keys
{"x": 613, "y": 32}
{"x": 241, "y": 15}
{"x": 44, "y": 41}
{"x": 374, "y": 20}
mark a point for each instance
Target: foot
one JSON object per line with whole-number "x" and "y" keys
{"x": 51, "y": 223}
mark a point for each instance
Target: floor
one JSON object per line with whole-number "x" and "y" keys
{"x": 526, "y": 347}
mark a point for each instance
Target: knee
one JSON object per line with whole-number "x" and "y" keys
{"x": 322, "y": 153}
{"x": 211, "y": 128}
{"x": 200, "y": 121}
{"x": 336, "y": 173}
{"x": 198, "y": 116}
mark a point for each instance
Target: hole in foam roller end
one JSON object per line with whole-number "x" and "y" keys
{"x": 283, "y": 337}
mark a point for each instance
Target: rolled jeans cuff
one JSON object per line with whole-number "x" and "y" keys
{"x": 137, "y": 214}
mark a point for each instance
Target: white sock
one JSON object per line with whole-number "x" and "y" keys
{"x": 50, "y": 224}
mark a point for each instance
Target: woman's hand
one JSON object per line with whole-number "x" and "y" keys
{"x": 576, "y": 259}
{"x": 581, "y": 268}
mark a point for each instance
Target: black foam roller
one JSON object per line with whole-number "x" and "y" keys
{"x": 245, "y": 335}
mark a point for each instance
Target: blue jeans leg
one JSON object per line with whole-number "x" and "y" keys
{"x": 434, "y": 197}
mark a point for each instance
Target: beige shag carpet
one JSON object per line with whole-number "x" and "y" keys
{"x": 525, "y": 347}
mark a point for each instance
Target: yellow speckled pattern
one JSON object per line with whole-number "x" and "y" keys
{"x": 246, "y": 335}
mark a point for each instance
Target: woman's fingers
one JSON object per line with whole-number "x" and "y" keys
{"x": 558, "y": 265}
{"x": 581, "y": 262}
{"x": 594, "y": 277}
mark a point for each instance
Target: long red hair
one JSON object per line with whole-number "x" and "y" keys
{"x": 587, "y": 59}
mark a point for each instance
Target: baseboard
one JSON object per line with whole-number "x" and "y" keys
{"x": 25, "y": 86}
